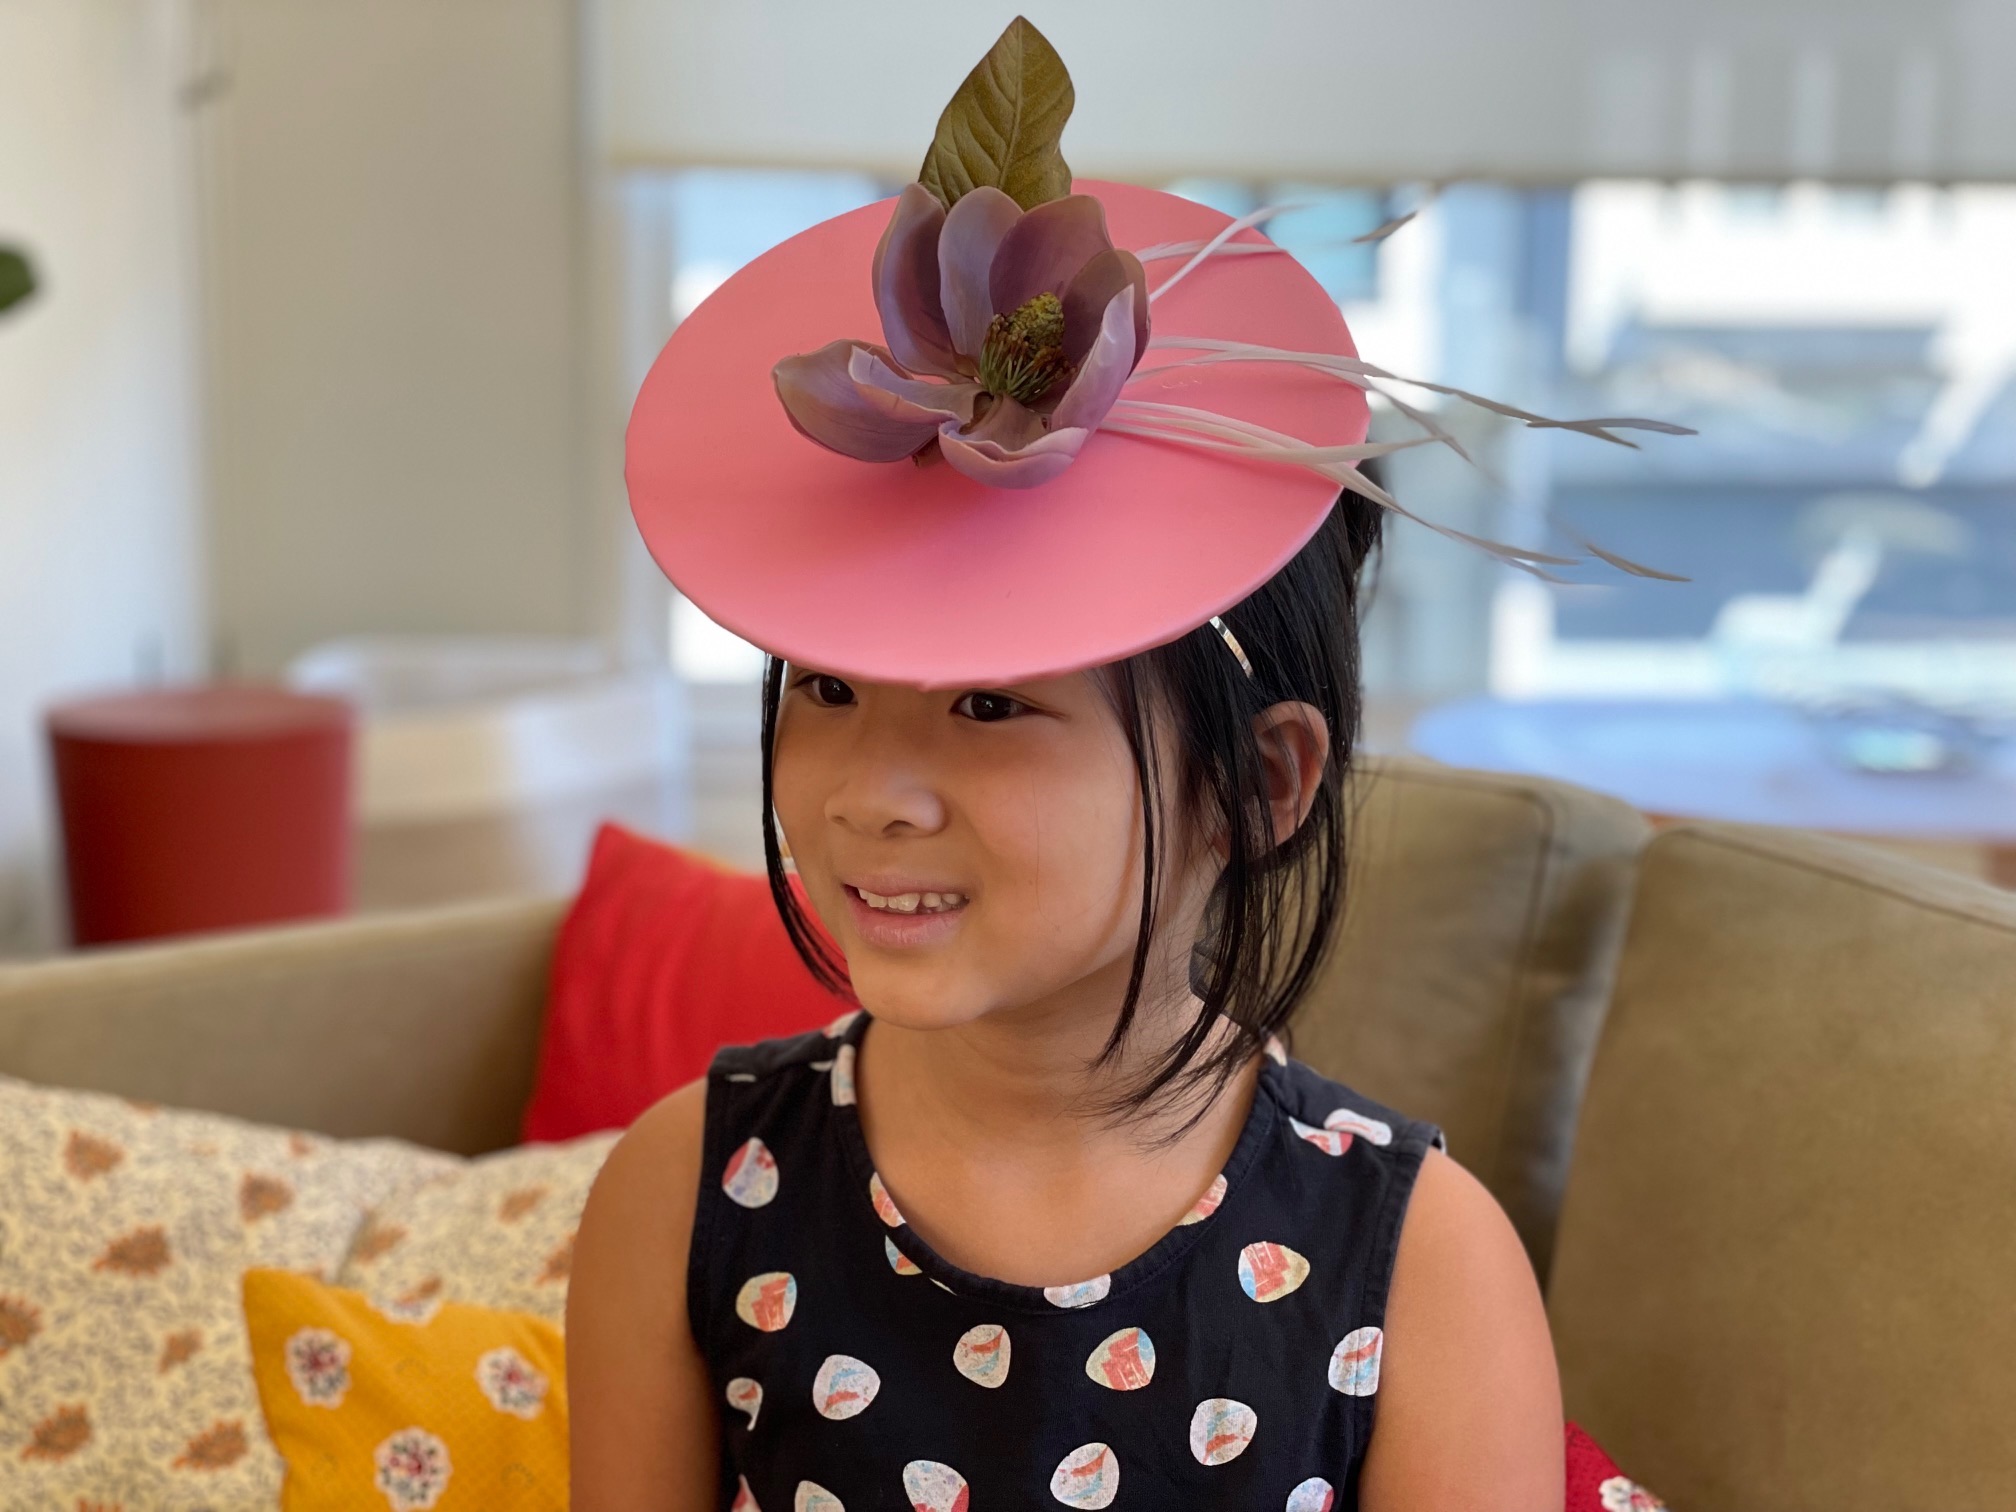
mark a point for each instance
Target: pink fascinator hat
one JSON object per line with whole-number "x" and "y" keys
{"x": 1009, "y": 424}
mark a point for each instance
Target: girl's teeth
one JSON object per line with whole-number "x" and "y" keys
{"x": 910, "y": 903}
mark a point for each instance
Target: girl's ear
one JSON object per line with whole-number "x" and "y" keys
{"x": 1294, "y": 747}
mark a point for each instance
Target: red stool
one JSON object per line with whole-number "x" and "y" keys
{"x": 202, "y": 808}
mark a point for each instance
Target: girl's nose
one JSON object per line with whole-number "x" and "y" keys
{"x": 885, "y": 790}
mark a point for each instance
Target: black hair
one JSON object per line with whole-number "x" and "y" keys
{"x": 1274, "y": 908}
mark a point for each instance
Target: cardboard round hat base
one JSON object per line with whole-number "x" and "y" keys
{"x": 895, "y": 572}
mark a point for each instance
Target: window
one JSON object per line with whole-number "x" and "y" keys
{"x": 1846, "y": 511}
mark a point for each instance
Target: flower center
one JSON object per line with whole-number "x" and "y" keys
{"x": 1023, "y": 358}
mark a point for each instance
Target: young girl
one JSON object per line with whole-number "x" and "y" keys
{"x": 1056, "y": 730}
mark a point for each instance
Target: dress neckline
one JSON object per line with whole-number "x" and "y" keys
{"x": 904, "y": 1247}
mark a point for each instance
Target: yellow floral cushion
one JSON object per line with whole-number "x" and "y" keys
{"x": 124, "y": 1229}
{"x": 430, "y": 1405}
{"x": 498, "y": 1231}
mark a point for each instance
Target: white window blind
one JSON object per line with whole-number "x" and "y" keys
{"x": 1341, "y": 90}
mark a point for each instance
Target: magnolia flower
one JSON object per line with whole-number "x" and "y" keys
{"x": 1010, "y": 334}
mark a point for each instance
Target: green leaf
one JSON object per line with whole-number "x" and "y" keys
{"x": 17, "y": 278}
{"x": 1003, "y": 126}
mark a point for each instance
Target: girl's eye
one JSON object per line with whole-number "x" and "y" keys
{"x": 989, "y": 708}
{"x": 828, "y": 692}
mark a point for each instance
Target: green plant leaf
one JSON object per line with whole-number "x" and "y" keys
{"x": 17, "y": 278}
{"x": 1003, "y": 126}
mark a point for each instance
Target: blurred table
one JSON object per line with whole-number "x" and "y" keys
{"x": 1749, "y": 761}
{"x": 198, "y": 808}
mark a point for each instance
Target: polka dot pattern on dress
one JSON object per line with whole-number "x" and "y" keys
{"x": 750, "y": 1179}
{"x": 1089, "y": 1476}
{"x": 933, "y": 1487}
{"x": 1123, "y": 1361}
{"x": 1329, "y": 1141}
{"x": 1221, "y": 1430}
{"x": 857, "y": 1394}
{"x": 1354, "y": 1363}
{"x": 1375, "y": 1130}
{"x": 745, "y": 1395}
{"x": 1269, "y": 1272}
{"x": 982, "y": 1355}
{"x": 766, "y": 1302}
{"x": 844, "y": 1387}
{"x": 1208, "y": 1204}
{"x": 1079, "y": 1293}
{"x": 885, "y": 1205}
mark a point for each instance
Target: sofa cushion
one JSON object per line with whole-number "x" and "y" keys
{"x": 124, "y": 1376}
{"x": 498, "y": 1231}
{"x": 417, "y": 1025}
{"x": 664, "y": 957}
{"x": 1482, "y": 920}
{"x": 443, "y": 1406}
{"x": 1783, "y": 1269}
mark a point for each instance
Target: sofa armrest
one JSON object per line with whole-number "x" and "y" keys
{"x": 423, "y": 1025}
{"x": 1783, "y": 1274}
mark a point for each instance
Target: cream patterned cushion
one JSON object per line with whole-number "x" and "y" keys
{"x": 497, "y": 1231}
{"x": 125, "y": 1379}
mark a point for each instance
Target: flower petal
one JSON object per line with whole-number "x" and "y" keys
{"x": 1029, "y": 468}
{"x": 1091, "y": 291}
{"x": 906, "y": 283}
{"x": 1105, "y": 369}
{"x": 903, "y": 398}
{"x": 1046, "y": 249}
{"x": 966, "y": 250}
{"x": 912, "y": 398}
{"x": 826, "y": 404}
{"x": 1010, "y": 448}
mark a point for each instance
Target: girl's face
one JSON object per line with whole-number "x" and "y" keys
{"x": 969, "y": 851}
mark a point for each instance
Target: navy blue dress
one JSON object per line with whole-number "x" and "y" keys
{"x": 1234, "y": 1364}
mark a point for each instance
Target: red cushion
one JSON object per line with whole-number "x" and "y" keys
{"x": 1595, "y": 1484}
{"x": 663, "y": 959}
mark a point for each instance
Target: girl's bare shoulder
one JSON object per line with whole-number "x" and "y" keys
{"x": 1470, "y": 1411}
{"x": 647, "y": 1189}
{"x": 643, "y": 1420}
{"x": 637, "y": 1226}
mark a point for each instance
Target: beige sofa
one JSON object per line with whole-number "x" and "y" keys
{"x": 1749, "y": 1096}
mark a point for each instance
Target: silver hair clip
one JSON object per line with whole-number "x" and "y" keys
{"x": 1232, "y": 644}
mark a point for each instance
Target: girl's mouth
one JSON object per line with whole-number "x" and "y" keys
{"x": 906, "y": 919}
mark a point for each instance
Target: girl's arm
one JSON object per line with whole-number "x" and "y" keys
{"x": 641, "y": 1417}
{"x": 1469, "y": 1405}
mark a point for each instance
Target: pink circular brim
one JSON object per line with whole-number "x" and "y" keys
{"x": 892, "y": 572}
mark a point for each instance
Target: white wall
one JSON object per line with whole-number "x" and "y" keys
{"x": 314, "y": 353}
{"x": 393, "y": 233}
{"x": 100, "y": 536}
